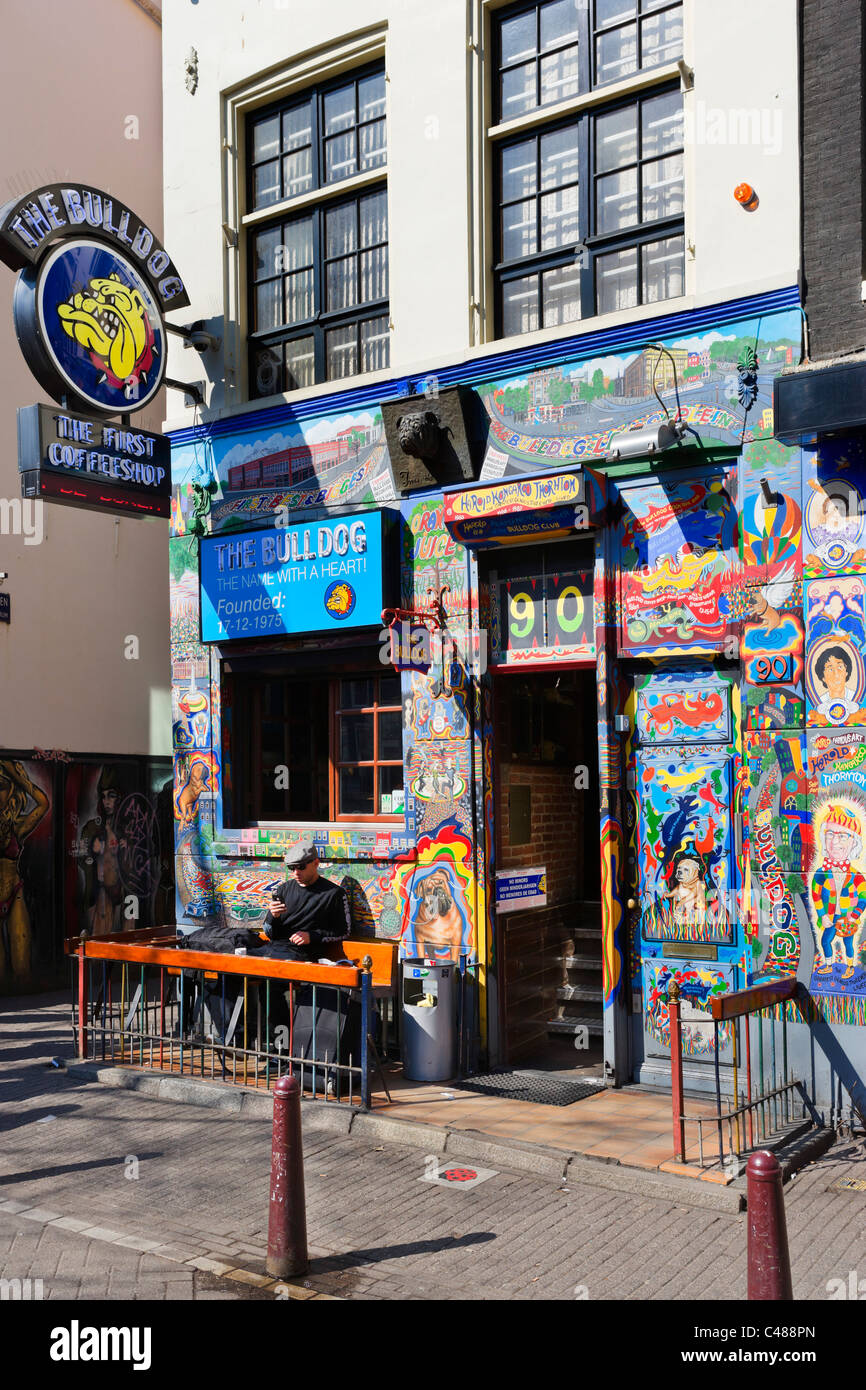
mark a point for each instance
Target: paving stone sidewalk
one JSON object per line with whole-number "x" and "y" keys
{"x": 123, "y": 1191}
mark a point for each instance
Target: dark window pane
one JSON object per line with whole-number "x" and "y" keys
{"x": 268, "y": 373}
{"x": 371, "y": 96}
{"x": 371, "y": 143}
{"x": 518, "y": 231}
{"x": 375, "y": 344}
{"x": 297, "y": 173}
{"x": 297, "y": 251}
{"x": 662, "y": 38}
{"x": 616, "y": 139}
{"x": 340, "y": 157}
{"x": 374, "y": 218}
{"x": 390, "y": 778}
{"x": 340, "y": 109}
{"x": 616, "y": 54}
{"x": 520, "y": 306}
{"x": 616, "y": 201}
{"x": 560, "y": 76}
{"x": 356, "y": 791}
{"x": 374, "y": 274}
{"x": 341, "y": 352}
{"x": 609, "y": 12}
{"x": 298, "y": 126}
{"x": 558, "y": 23}
{"x": 357, "y": 692}
{"x": 662, "y": 125}
{"x": 663, "y": 269}
{"x": 616, "y": 281}
{"x": 266, "y": 139}
{"x": 389, "y": 689}
{"x": 300, "y": 363}
{"x": 561, "y": 295}
{"x": 269, "y": 305}
{"x": 266, "y": 184}
{"x": 518, "y": 92}
{"x": 662, "y": 182}
{"x": 342, "y": 289}
{"x": 558, "y": 219}
{"x": 267, "y": 257}
{"x": 517, "y": 38}
{"x": 390, "y": 735}
{"x": 356, "y": 738}
{"x": 517, "y": 164}
{"x": 559, "y": 157}
{"x": 341, "y": 230}
{"x": 299, "y": 297}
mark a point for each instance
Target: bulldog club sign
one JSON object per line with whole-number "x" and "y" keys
{"x": 93, "y": 287}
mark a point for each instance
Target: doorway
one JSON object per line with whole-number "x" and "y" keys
{"x": 547, "y": 818}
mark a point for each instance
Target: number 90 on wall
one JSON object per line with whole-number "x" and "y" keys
{"x": 554, "y": 612}
{"x": 769, "y": 668}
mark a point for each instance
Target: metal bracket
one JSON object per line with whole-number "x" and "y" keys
{"x": 193, "y": 390}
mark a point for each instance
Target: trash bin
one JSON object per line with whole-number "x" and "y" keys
{"x": 429, "y": 1020}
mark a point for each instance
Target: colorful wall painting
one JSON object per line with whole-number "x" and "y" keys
{"x": 677, "y": 564}
{"x": 437, "y": 893}
{"x": 684, "y": 844}
{"x": 777, "y": 843}
{"x": 699, "y": 985}
{"x": 26, "y": 842}
{"x": 837, "y": 874}
{"x": 552, "y": 416}
{"x": 672, "y": 709}
{"x": 834, "y": 500}
{"x": 772, "y": 656}
{"x": 771, "y": 517}
{"x": 324, "y": 461}
{"x": 835, "y": 642}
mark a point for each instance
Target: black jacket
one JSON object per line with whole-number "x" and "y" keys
{"x": 322, "y": 909}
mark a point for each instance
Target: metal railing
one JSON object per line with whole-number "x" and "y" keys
{"x": 244, "y": 1020}
{"x": 764, "y": 1107}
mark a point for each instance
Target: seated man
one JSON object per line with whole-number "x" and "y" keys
{"x": 308, "y": 912}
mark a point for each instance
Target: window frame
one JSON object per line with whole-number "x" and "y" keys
{"x": 247, "y": 694}
{"x": 314, "y": 203}
{"x": 322, "y": 320}
{"x": 590, "y": 244}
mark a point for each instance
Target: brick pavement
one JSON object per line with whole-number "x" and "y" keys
{"x": 125, "y": 1190}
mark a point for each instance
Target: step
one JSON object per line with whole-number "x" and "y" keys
{"x": 586, "y": 992}
{"x": 587, "y": 933}
{"x": 571, "y": 1024}
{"x": 577, "y": 992}
{"x": 581, "y": 962}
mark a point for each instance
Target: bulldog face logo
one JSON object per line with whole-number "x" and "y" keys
{"x": 110, "y": 321}
{"x": 340, "y": 600}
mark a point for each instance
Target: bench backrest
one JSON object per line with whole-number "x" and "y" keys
{"x": 382, "y": 953}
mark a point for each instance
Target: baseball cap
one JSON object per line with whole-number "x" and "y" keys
{"x": 301, "y": 854}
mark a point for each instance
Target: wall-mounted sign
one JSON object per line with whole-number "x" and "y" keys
{"x": 84, "y": 461}
{"x": 5, "y": 608}
{"x": 518, "y": 510}
{"x": 318, "y": 576}
{"x": 520, "y": 888}
{"x": 90, "y": 298}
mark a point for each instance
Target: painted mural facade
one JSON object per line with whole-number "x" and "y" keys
{"x": 85, "y": 845}
{"x": 725, "y": 614}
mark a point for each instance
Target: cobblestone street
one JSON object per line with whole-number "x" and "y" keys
{"x": 111, "y": 1194}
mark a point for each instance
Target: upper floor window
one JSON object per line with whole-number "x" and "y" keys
{"x": 546, "y": 53}
{"x": 318, "y": 277}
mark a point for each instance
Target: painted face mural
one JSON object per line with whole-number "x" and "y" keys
{"x": 23, "y": 803}
{"x": 835, "y": 518}
{"x": 835, "y": 640}
{"x": 837, "y": 891}
{"x": 436, "y": 896}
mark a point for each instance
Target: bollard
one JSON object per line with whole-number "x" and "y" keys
{"x": 769, "y": 1261}
{"x": 82, "y": 996}
{"x": 287, "y": 1214}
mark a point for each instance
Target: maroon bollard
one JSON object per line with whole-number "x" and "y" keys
{"x": 287, "y": 1215}
{"x": 769, "y": 1260}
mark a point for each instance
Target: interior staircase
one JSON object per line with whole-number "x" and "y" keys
{"x": 580, "y": 999}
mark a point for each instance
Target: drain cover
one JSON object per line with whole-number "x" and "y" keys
{"x": 848, "y": 1185}
{"x": 537, "y": 1087}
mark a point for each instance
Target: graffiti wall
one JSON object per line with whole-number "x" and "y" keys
{"x": 85, "y": 845}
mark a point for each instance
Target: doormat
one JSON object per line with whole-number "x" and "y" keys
{"x": 539, "y": 1088}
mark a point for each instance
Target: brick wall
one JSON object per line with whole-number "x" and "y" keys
{"x": 833, "y": 173}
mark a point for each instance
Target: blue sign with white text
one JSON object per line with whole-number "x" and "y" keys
{"x": 314, "y": 577}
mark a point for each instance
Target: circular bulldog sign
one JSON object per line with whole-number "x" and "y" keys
{"x": 90, "y": 299}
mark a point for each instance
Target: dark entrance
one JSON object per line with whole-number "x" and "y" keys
{"x": 548, "y": 817}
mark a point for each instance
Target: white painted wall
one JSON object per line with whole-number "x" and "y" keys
{"x": 741, "y": 116}
{"x": 71, "y": 74}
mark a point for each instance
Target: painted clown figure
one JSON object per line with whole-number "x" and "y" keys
{"x": 839, "y": 892}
